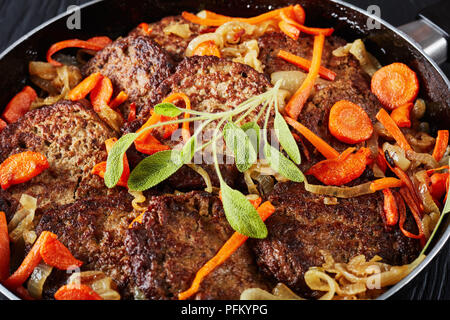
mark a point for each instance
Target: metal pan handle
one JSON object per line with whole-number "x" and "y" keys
{"x": 432, "y": 30}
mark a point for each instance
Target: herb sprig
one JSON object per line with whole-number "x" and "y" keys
{"x": 242, "y": 139}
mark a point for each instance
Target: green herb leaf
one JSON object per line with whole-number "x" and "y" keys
{"x": 285, "y": 138}
{"x": 167, "y": 109}
{"x": 241, "y": 214}
{"x": 188, "y": 150}
{"x": 154, "y": 169}
{"x": 282, "y": 165}
{"x": 252, "y": 130}
{"x": 114, "y": 164}
{"x": 238, "y": 141}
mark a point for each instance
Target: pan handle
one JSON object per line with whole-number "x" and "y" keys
{"x": 432, "y": 30}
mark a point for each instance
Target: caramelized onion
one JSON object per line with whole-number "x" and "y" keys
{"x": 424, "y": 193}
{"x": 104, "y": 286}
{"x": 180, "y": 30}
{"x": 423, "y": 158}
{"x": 22, "y": 220}
{"x": 339, "y": 192}
{"x": 202, "y": 172}
{"x": 398, "y": 155}
{"x": 37, "y": 280}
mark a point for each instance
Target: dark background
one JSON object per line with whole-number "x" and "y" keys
{"x": 17, "y": 17}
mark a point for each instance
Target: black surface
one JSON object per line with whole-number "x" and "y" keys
{"x": 17, "y": 17}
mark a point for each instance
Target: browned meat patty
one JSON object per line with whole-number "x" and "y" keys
{"x": 94, "y": 231}
{"x": 135, "y": 64}
{"x": 303, "y": 225}
{"x": 172, "y": 43}
{"x": 179, "y": 234}
{"x": 72, "y": 137}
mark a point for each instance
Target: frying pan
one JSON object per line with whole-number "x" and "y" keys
{"x": 117, "y": 17}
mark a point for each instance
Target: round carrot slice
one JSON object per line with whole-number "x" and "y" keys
{"x": 395, "y": 85}
{"x": 349, "y": 123}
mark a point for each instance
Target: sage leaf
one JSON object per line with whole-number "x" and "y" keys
{"x": 167, "y": 109}
{"x": 114, "y": 164}
{"x": 282, "y": 165}
{"x": 188, "y": 150}
{"x": 238, "y": 141}
{"x": 154, "y": 169}
{"x": 241, "y": 214}
{"x": 285, "y": 138}
{"x": 252, "y": 130}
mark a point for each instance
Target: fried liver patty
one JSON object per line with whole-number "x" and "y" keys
{"x": 94, "y": 231}
{"x": 303, "y": 225}
{"x": 72, "y": 138}
{"x": 179, "y": 234}
{"x": 135, "y": 64}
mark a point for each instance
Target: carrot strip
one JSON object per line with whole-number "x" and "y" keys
{"x": 76, "y": 292}
{"x": 85, "y": 87}
{"x": 146, "y": 143}
{"x": 410, "y": 202}
{"x": 438, "y": 185}
{"x": 441, "y": 144}
{"x": 186, "y": 132}
{"x": 234, "y": 243}
{"x": 288, "y": 15}
{"x": 304, "y": 148}
{"x": 207, "y": 48}
{"x": 101, "y": 94}
{"x": 55, "y": 254}
{"x": 19, "y": 105}
{"x": 290, "y": 30}
{"x": 401, "y": 115}
{"x": 132, "y": 113}
{"x": 102, "y": 41}
{"x": 29, "y": 263}
{"x": 4, "y": 248}
{"x": 385, "y": 183}
{"x": 23, "y": 293}
{"x": 324, "y": 148}
{"x": 392, "y": 128}
{"x": 94, "y": 44}
{"x": 390, "y": 208}
{"x": 296, "y": 103}
{"x": 299, "y": 14}
{"x": 118, "y": 100}
{"x": 430, "y": 171}
{"x": 138, "y": 219}
{"x": 305, "y": 64}
{"x": 22, "y": 167}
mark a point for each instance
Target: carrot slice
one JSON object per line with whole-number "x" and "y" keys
{"x": 393, "y": 129}
{"x": 401, "y": 115}
{"x": 76, "y": 292}
{"x": 101, "y": 41}
{"x": 385, "y": 183}
{"x": 441, "y": 144}
{"x": 94, "y": 44}
{"x": 288, "y": 15}
{"x": 85, "y": 87}
{"x": 29, "y": 263}
{"x": 207, "y": 48}
{"x": 22, "y": 167}
{"x": 186, "y": 133}
{"x": 146, "y": 142}
{"x": 234, "y": 243}
{"x": 406, "y": 195}
{"x": 296, "y": 103}
{"x": 290, "y": 30}
{"x": 132, "y": 113}
{"x": 349, "y": 122}
{"x": 55, "y": 254}
{"x": 4, "y": 248}
{"x": 145, "y": 27}
{"x": 438, "y": 185}
{"x": 19, "y": 105}
{"x": 118, "y": 100}
{"x": 324, "y": 148}
{"x": 340, "y": 171}
{"x": 101, "y": 94}
{"x": 218, "y": 20}
{"x": 395, "y": 85}
{"x": 390, "y": 208}
{"x": 299, "y": 13}
{"x": 305, "y": 64}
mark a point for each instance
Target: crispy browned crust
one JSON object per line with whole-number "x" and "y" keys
{"x": 178, "y": 235}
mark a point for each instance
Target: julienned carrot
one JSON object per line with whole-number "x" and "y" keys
{"x": 101, "y": 94}
{"x": 19, "y": 105}
{"x": 4, "y": 248}
{"x": 186, "y": 132}
{"x": 29, "y": 263}
{"x": 235, "y": 242}
{"x": 102, "y": 41}
{"x": 138, "y": 219}
{"x": 207, "y": 48}
{"x": 385, "y": 183}
{"x": 349, "y": 123}
{"x": 55, "y": 254}
{"x": 299, "y": 13}
{"x": 298, "y": 100}
{"x": 401, "y": 115}
{"x": 441, "y": 145}
{"x": 341, "y": 170}
{"x": 22, "y": 167}
{"x": 75, "y": 291}
{"x": 132, "y": 112}
{"x": 73, "y": 43}
{"x": 118, "y": 100}
{"x": 85, "y": 87}
{"x": 289, "y": 30}
{"x": 393, "y": 129}
{"x": 390, "y": 208}
{"x": 287, "y": 14}
{"x": 146, "y": 142}
{"x": 409, "y": 201}
{"x": 305, "y": 64}
{"x": 395, "y": 85}
{"x": 324, "y": 148}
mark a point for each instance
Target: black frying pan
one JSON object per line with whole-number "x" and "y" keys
{"x": 117, "y": 17}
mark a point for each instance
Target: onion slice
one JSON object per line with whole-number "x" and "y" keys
{"x": 37, "y": 280}
{"x": 339, "y": 192}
